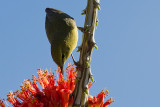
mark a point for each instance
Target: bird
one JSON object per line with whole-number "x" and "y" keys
{"x": 62, "y": 33}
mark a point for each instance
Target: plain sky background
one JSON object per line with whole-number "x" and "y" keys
{"x": 127, "y": 62}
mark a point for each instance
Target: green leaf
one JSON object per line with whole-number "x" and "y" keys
{"x": 96, "y": 23}
{"x": 95, "y": 46}
{"x": 86, "y": 91}
{"x": 87, "y": 63}
{"x": 78, "y": 50}
{"x": 83, "y": 13}
{"x": 98, "y": 7}
{"x": 92, "y": 79}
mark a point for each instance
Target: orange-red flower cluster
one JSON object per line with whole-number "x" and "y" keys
{"x": 98, "y": 101}
{"x": 2, "y": 103}
{"x": 54, "y": 93}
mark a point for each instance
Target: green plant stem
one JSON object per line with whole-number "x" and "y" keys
{"x": 84, "y": 71}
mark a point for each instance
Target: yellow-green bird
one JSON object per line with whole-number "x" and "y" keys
{"x": 62, "y": 34}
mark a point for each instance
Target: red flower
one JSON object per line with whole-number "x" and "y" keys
{"x": 98, "y": 101}
{"x": 108, "y": 102}
{"x": 54, "y": 93}
{"x": 2, "y": 103}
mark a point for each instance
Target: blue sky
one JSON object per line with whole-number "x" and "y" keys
{"x": 127, "y": 62}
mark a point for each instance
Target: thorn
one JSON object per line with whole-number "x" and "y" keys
{"x": 95, "y": 46}
{"x": 79, "y": 48}
{"x": 96, "y": 5}
{"x": 83, "y": 11}
{"x": 97, "y": 22}
{"x": 81, "y": 29}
